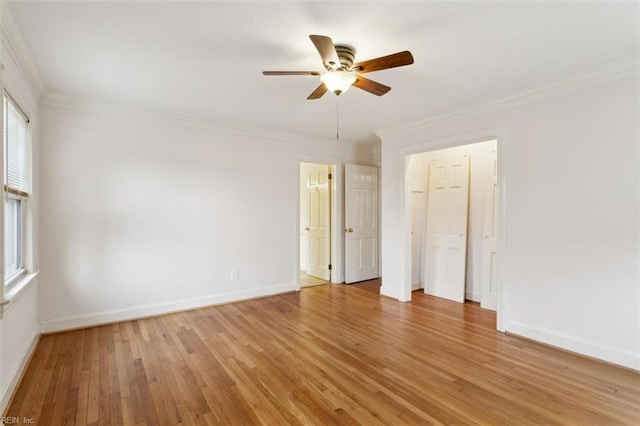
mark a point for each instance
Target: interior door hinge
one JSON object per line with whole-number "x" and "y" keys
{"x": 330, "y": 176}
{"x": 330, "y": 266}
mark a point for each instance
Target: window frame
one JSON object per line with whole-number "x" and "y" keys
{"x": 15, "y": 277}
{"x": 13, "y": 285}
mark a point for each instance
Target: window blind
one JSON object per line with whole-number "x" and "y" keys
{"x": 17, "y": 179}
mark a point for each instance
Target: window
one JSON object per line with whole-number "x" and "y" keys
{"x": 12, "y": 237}
{"x": 17, "y": 188}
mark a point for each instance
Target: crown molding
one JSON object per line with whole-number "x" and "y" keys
{"x": 609, "y": 73}
{"x": 17, "y": 48}
{"x": 275, "y": 135}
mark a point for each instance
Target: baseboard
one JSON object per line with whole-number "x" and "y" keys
{"x": 474, "y": 297}
{"x": 16, "y": 375}
{"x": 388, "y": 291}
{"x": 83, "y": 321}
{"x": 575, "y": 344}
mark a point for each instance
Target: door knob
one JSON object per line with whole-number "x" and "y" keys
{"x": 348, "y": 230}
{"x": 306, "y": 229}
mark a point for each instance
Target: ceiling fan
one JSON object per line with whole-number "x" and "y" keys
{"x": 341, "y": 73}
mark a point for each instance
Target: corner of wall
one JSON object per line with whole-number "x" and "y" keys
{"x": 9, "y": 388}
{"x": 15, "y": 48}
{"x": 19, "y": 327}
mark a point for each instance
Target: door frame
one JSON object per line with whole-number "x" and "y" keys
{"x": 337, "y": 220}
{"x": 405, "y": 152}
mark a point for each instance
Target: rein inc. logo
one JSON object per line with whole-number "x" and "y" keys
{"x": 17, "y": 421}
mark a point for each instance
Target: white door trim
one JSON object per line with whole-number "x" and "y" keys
{"x": 337, "y": 219}
{"x": 496, "y": 133}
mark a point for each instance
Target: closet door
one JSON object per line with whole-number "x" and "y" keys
{"x": 446, "y": 238}
{"x": 489, "y": 297}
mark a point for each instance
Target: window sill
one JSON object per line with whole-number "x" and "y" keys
{"x": 17, "y": 289}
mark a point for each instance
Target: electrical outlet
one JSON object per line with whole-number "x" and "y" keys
{"x": 234, "y": 274}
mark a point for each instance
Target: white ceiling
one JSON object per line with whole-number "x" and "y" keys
{"x": 204, "y": 59}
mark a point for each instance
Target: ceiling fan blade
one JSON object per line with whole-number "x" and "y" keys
{"x": 291, "y": 72}
{"x": 317, "y": 94}
{"x": 384, "y": 62}
{"x": 371, "y": 86}
{"x": 327, "y": 50}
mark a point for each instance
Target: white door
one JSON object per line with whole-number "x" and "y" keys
{"x": 489, "y": 296}
{"x": 361, "y": 223}
{"x": 318, "y": 224}
{"x": 446, "y": 239}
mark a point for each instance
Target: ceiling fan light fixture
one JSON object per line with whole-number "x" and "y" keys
{"x": 338, "y": 81}
{"x": 341, "y": 71}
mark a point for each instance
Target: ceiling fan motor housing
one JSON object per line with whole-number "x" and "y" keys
{"x": 346, "y": 54}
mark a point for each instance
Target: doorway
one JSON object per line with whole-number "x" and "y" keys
{"x": 453, "y": 203}
{"x": 315, "y": 234}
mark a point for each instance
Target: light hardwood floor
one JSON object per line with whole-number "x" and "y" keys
{"x": 310, "y": 281}
{"x": 331, "y": 354}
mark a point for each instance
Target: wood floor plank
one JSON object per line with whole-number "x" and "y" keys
{"x": 331, "y": 354}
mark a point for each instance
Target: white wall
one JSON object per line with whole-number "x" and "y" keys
{"x": 19, "y": 322}
{"x": 480, "y": 176}
{"x": 141, "y": 216}
{"x": 570, "y": 165}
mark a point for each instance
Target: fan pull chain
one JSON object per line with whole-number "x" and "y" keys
{"x": 337, "y": 120}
